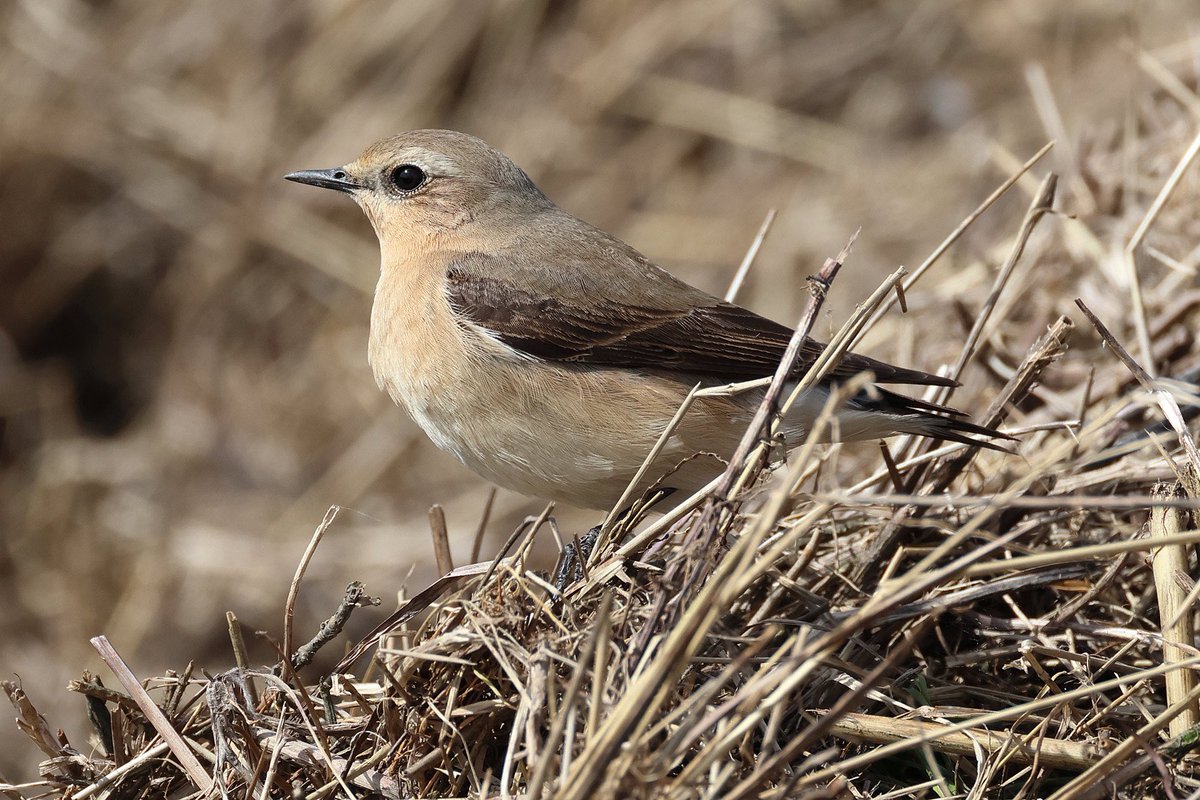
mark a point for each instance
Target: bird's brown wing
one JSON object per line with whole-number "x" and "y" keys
{"x": 645, "y": 318}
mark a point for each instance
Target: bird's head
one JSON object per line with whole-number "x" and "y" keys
{"x": 430, "y": 183}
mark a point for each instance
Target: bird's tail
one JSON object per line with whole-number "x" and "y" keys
{"x": 910, "y": 415}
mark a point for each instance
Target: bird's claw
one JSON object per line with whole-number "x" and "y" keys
{"x": 574, "y": 556}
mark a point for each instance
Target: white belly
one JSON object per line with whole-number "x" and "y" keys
{"x": 566, "y": 434}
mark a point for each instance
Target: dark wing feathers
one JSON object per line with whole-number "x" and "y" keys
{"x": 540, "y": 325}
{"x": 702, "y": 336}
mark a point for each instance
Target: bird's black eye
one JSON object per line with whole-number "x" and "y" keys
{"x": 408, "y": 177}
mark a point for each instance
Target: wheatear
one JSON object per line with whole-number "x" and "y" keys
{"x": 549, "y": 356}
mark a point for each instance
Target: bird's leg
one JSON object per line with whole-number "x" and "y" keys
{"x": 575, "y": 554}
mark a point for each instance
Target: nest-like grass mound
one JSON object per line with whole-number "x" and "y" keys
{"x": 959, "y": 623}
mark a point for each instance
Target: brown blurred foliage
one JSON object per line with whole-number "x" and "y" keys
{"x": 183, "y": 382}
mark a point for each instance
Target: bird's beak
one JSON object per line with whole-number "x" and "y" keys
{"x": 334, "y": 178}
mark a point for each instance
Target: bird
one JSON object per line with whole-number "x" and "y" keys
{"x": 549, "y": 356}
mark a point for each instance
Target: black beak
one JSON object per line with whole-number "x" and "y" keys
{"x": 335, "y": 178}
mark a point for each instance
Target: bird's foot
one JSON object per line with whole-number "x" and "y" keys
{"x": 572, "y": 565}
{"x": 574, "y": 556}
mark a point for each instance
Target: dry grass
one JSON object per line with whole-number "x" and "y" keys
{"x": 181, "y": 399}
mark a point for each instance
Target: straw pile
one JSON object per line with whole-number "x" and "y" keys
{"x": 948, "y": 623}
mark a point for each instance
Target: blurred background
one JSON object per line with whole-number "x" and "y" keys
{"x": 183, "y": 380}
